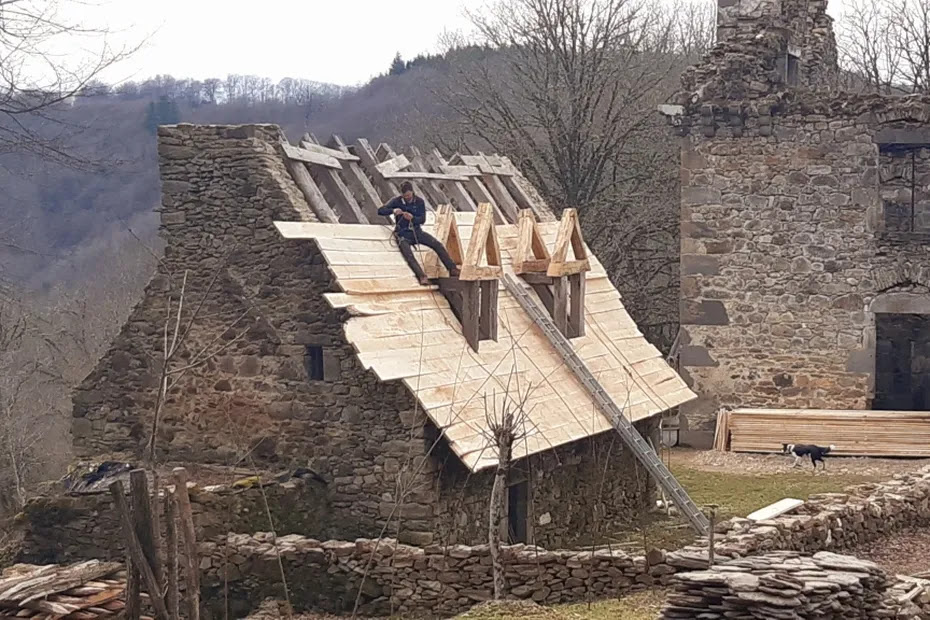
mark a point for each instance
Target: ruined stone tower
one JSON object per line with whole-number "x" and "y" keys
{"x": 804, "y": 224}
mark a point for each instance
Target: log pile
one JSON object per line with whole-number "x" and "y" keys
{"x": 854, "y": 433}
{"x": 784, "y": 585}
{"x": 84, "y": 591}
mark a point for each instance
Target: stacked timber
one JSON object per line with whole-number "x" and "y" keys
{"x": 83, "y": 591}
{"x": 785, "y": 585}
{"x": 853, "y": 432}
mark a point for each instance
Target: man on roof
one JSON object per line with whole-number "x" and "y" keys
{"x": 409, "y": 213}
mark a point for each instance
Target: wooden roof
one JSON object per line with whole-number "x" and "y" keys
{"x": 405, "y": 331}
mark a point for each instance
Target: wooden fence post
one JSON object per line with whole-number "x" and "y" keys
{"x": 152, "y": 586}
{"x": 171, "y": 526}
{"x": 190, "y": 542}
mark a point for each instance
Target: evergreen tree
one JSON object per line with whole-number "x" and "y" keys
{"x": 163, "y": 112}
{"x": 398, "y": 66}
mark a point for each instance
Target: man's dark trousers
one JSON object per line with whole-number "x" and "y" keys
{"x": 419, "y": 237}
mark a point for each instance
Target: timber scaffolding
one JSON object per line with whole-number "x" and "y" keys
{"x": 481, "y": 210}
{"x": 348, "y": 183}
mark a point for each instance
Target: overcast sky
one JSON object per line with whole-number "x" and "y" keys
{"x": 339, "y": 41}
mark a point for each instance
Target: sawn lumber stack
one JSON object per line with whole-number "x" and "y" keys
{"x": 854, "y": 433}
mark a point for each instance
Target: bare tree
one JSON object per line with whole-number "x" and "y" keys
{"x": 506, "y": 424}
{"x": 912, "y": 37}
{"x": 36, "y": 78}
{"x": 866, "y": 38}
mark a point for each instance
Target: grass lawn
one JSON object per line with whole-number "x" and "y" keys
{"x": 739, "y": 495}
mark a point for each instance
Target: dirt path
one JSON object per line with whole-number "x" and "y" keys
{"x": 743, "y": 463}
{"x": 903, "y": 553}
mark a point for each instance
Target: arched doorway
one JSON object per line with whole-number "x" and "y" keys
{"x": 902, "y": 350}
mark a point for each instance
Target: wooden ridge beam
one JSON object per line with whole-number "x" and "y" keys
{"x": 386, "y": 153}
{"x": 432, "y": 176}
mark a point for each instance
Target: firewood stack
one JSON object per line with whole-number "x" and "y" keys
{"x": 784, "y": 585}
{"x": 84, "y": 591}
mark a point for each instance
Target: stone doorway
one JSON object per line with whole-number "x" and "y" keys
{"x": 518, "y": 496}
{"x": 902, "y": 362}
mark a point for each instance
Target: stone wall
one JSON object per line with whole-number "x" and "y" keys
{"x": 445, "y": 580}
{"x": 784, "y": 254}
{"x": 61, "y": 528}
{"x": 576, "y": 490}
{"x": 223, "y": 187}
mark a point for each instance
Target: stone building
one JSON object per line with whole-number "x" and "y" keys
{"x": 295, "y": 385}
{"x": 805, "y": 221}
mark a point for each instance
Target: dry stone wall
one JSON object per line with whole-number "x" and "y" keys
{"x": 444, "y": 580}
{"x": 57, "y": 529}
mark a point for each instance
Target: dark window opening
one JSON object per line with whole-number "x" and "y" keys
{"x": 792, "y": 70}
{"x": 518, "y": 496}
{"x": 904, "y": 187}
{"x": 313, "y": 362}
{"x": 902, "y": 362}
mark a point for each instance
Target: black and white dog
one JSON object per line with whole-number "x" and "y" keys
{"x": 815, "y": 452}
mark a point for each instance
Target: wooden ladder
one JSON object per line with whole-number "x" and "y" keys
{"x": 628, "y": 433}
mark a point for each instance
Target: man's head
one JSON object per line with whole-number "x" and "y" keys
{"x": 406, "y": 189}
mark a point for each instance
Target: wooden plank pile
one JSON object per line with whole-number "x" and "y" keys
{"x": 83, "y": 591}
{"x": 784, "y": 584}
{"x": 853, "y": 432}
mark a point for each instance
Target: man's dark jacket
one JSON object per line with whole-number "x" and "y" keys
{"x": 403, "y": 227}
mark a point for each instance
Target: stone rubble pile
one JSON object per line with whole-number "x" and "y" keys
{"x": 786, "y": 585}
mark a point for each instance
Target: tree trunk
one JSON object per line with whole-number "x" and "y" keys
{"x": 504, "y": 440}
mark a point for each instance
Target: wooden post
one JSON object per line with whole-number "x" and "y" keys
{"x": 135, "y": 549}
{"x": 142, "y": 511}
{"x": 560, "y": 304}
{"x": 576, "y": 309}
{"x": 488, "y": 313}
{"x": 133, "y": 579}
{"x": 470, "y": 313}
{"x": 710, "y": 534}
{"x": 171, "y": 527}
{"x": 192, "y": 572}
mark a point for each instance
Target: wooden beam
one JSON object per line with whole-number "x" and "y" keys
{"x": 483, "y": 243}
{"x": 456, "y": 191}
{"x": 310, "y": 190}
{"x": 358, "y": 181}
{"x": 532, "y": 254}
{"x": 384, "y": 153}
{"x": 569, "y": 233}
{"x": 470, "y": 314}
{"x": 331, "y": 151}
{"x": 488, "y": 318}
{"x": 537, "y": 278}
{"x": 560, "y": 304}
{"x": 505, "y": 201}
{"x": 192, "y": 570}
{"x": 171, "y": 536}
{"x": 428, "y": 185}
{"x": 369, "y": 163}
{"x": 576, "y": 305}
{"x": 310, "y": 157}
{"x": 142, "y": 518}
{"x": 447, "y": 233}
{"x": 393, "y": 165}
{"x": 431, "y": 176}
{"x": 486, "y": 164}
{"x": 777, "y": 509}
{"x": 135, "y": 549}
{"x": 339, "y": 195}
